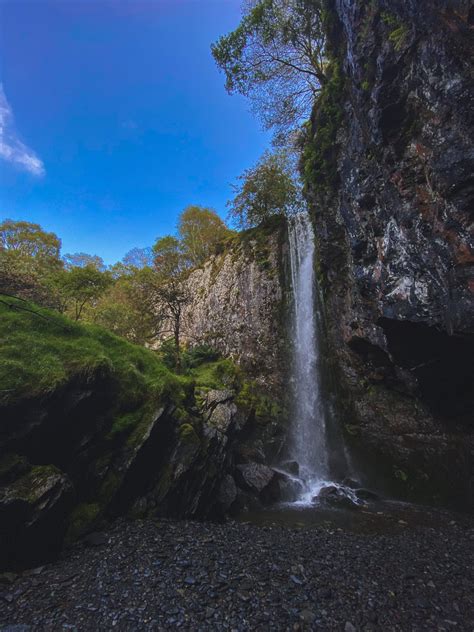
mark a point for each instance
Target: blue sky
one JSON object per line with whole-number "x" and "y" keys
{"x": 115, "y": 118}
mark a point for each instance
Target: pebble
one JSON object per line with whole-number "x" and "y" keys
{"x": 248, "y": 578}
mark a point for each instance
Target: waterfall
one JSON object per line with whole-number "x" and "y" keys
{"x": 309, "y": 443}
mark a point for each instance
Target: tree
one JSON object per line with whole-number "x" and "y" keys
{"x": 138, "y": 258}
{"x": 82, "y": 259}
{"x": 276, "y": 58}
{"x": 167, "y": 288}
{"x": 168, "y": 259}
{"x": 79, "y": 287}
{"x": 29, "y": 240}
{"x": 269, "y": 188}
{"x": 200, "y": 230}
{"x": 29, "y": 256}
{"x": 127, "y": 309}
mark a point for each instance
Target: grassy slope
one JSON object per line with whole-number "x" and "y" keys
{"x": 42, "y": 351}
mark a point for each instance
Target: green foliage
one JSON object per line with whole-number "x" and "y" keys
{"x": 201, "y": 231}
{"x": 267, "y": 189}
{"x": 41, "y": 351}
{"x": 81, "y": 286}
{"x": 399, "y": 31}
{"x": 276, "y": 57}
{"x": 220, "y": 374}
{"x": 28, "y": 239}
{"x": 28, "y": 258}
{"x": 125, "y": 308}
{"x": 168, "y": 258}
{"x": 199, "y": 354}
{"x": 190, "y": 358}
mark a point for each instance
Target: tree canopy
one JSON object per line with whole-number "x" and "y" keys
{"x": 269, "y": 188}
{"x": 276, "y": 58}
{"x": 80, "y": 286}
{"x": 200, "y": 230}
{"x": 28, "y": 239}
{"x": 82, "y": 259}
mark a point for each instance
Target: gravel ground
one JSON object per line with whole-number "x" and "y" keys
{"x": 162, "y": 575}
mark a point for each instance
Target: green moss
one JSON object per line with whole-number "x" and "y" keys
{"x": 187, "y": 434}
{"x": 252, "y": 399}
{"x": 109, "y": 487}
{"x": 400, "y": 475}
{"x": 399, "y": 33}
{"x": 30, "y": 485}
{"x": 219, "y": 374}
{"x": 82, "y": 520}
{"x": 319, "y": 151}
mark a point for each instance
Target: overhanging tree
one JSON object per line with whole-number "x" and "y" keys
{"x": 276, "y": 57}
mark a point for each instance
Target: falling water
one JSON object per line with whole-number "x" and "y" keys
{"x": 309, "y": 442}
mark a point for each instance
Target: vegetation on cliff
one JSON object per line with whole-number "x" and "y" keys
{"x": 42, "y": 350}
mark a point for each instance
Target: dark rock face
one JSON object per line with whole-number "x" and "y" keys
{"x": 394, "y": 232}
{"x": 32, "y": 512}
{"x": 65, "y": 472}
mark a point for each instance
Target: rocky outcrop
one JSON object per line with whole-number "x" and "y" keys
{"x": 68, "y": 467}
{"x": 33, "y": 504}
{"x": 237, "y": 304}
{"x": 391, "y": 195}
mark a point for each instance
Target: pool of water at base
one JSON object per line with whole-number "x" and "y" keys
{"x": 380, "y": 517}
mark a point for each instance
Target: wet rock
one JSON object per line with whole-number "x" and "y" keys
{"x": 366, "y": 494}
{"x": 259, "y": 479}
{"x": 350, "y": 482}
{"x": 328, "y": 492}
{"x": 394, "y": 241}
{"x": 292, "y": 467}
{"x": 290, "y": 487}
{"x": 336, "y": 497}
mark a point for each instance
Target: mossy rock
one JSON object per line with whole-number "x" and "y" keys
{"x": 82, "y": 520}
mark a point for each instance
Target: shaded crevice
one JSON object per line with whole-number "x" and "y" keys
{"x": 442, "y": 364}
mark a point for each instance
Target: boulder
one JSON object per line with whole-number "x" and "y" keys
{"x": 290, "y": 487}
{"x": 259, "y": 479}
{"x": 255, "y": 476}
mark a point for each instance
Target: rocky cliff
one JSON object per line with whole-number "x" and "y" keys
{"x": 389, "y": 165}
{"x": 92, "y": 427}
{"x": 238, "y": 304}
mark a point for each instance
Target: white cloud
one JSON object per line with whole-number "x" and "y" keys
{"x": 11, "y": 148}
